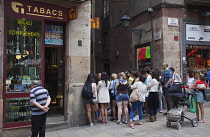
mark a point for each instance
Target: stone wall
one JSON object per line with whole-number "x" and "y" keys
{"x": 77, "y": 63}
{"x": 171, "y": 48}
{"x": 147, "y": 38}
{"x": 1, "y": 60}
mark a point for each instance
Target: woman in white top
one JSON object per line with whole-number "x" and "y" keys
{"x": 138, "y": 105}
{"x": 153, "y": 95}
{"x": 190, "y": 78}
{"x": 103, "y": 96}
{"x": 91, "y": 102}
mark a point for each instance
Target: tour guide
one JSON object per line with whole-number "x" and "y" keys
{"x": 39, "y": 100}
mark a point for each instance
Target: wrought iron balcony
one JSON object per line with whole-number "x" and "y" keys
{"x": 198, "y": 2}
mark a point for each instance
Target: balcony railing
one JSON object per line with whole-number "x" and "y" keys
{"x": 198, "y": 2}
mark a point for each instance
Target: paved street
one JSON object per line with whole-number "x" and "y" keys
{"x": 148, "y": 129}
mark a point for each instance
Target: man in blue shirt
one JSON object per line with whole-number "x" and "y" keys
{"x": 167, "y": 84}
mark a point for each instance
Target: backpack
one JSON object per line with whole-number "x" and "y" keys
{"x": 87, "y": 91}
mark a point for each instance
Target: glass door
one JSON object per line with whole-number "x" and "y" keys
{"x": 54, "y": 78}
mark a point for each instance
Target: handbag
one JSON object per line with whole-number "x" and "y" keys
{"x": 175, "y": 88}
{"x": 135, "y": 96}
{"x": 192, "y": 104}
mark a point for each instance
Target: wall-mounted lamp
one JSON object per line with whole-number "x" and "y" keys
{"x": 126, "y": 22}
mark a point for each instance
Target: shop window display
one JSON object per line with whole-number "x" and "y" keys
{"x": 143, "y": 57}
{"x": 23, "y": 61}
{"x": 198, "y": 57}
{"x": 18, "y": 110}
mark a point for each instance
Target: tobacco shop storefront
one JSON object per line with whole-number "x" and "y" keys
{"x": 36, "y": 41}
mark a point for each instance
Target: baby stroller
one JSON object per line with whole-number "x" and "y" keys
{"x": 177, "y": 115}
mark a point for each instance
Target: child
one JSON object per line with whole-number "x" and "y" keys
{"x": 201, "y": 85}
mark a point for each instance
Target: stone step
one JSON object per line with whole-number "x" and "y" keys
{"x": 56, "y": 123}
{"x": 52, "y": 126}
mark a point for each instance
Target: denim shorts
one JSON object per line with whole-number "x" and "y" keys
{"x": 122, "y": 97}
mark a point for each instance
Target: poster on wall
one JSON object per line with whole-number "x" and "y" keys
{"x": 53, "y": 35}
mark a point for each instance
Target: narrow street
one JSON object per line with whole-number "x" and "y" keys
{"x": 156, "y": 129}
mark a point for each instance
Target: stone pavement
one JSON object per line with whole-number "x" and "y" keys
{"x": 148, "y": 129}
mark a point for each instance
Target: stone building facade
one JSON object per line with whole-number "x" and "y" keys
{"x": 163, "y": 29}
{"x": 70, "y": 68}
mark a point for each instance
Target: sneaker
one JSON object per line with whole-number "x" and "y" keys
{"x": 113, "y": 119}
{"x": 125, "y": 121}
{"x": 106, "y": 122}
{"x": 119, "y": 122}
{"x": 96, "y": 117}
{"x": 161, "y": 110}
{"x": 136, "y": 118}
{"x": 91, "y": 124}
{"x": 103, "y": 122}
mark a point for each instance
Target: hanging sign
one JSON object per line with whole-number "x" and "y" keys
{"x": 73, "y": 13}
{"x": 95, "y": 23}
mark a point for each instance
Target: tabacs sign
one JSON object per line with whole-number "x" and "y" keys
{"x": 36, "y": 9}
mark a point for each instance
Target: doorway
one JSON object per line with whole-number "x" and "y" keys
{"x": 54, "y": 79}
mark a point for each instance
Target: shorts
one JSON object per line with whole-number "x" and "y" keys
{"x": 89, "y": 100}
{"x": 122, "y": 97}
{"x": 112, "y": 96}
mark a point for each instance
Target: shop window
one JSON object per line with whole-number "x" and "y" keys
{"x": 143, "y": 57}
{"x": 198, "y": 57}
{"x": 23, "y": 54}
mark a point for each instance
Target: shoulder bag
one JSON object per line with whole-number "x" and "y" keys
{"x": 135, "y": 96}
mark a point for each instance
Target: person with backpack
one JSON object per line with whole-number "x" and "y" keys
{"x": 89, "y": 94}
{"x": 103, "y": 96}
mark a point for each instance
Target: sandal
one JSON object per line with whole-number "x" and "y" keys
{"x": 131, "y": 125}
{"x": 201, "y": 121}
{"x": 139, "y": 123}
